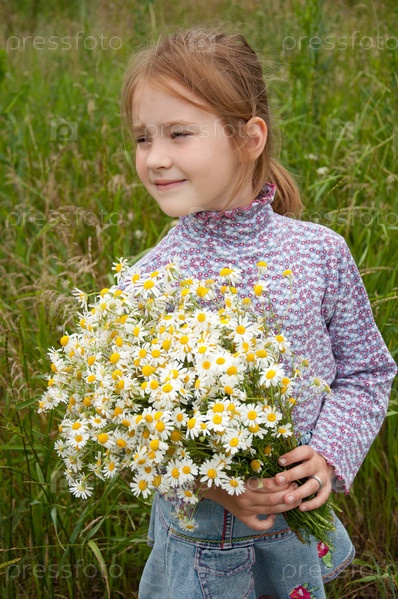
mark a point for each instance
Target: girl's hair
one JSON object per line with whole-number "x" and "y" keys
{"x": 223, "y": 72}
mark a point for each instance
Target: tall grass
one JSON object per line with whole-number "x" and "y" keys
{"x": 70, "y": 204}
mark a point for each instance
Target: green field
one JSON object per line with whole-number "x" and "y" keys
{"x": 70, "y": 204}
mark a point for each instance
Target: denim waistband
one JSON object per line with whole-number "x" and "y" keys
{"x": 217, "y": 527}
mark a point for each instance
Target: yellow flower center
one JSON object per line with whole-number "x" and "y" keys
{"x": 147, "y": 370}
{"x": 114, "y": 358}
{"x": 232, "y": 370}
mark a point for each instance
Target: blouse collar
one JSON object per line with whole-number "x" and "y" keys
{"x": 266, "y": 196}
{"x": 237, "y": 221}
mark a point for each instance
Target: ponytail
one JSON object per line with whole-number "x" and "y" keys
{"x": 287, "y": 199}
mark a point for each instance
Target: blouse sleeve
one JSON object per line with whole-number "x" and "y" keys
{"x": 352, "y": 415}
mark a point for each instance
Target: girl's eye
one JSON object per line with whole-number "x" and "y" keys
{"x": 180, "y": 134}
{"x": 141, "y": 140}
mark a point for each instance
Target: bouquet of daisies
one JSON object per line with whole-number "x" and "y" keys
{"x": 177, "y": 385}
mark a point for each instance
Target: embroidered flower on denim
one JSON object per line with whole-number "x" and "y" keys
{"x": 302, "y": 592}
{"x": 325, "y": 554}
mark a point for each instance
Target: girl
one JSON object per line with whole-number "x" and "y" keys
{"x": 197, "y": 104}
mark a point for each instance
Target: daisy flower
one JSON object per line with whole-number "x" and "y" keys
{"x": 262, "y": 267}
{"x": 202, "y": 319}
{"x": 279, "y": 341}
{"x": 81, "y": 296}
{"x": 120, "y": 267}
{"x": 187, "y": 524}
{"x": 283, "y": 430}
{"x": 80, "y": 488}
{"x": 242, "y": 331}
{"x": 260, "y": 288}
{"x": 140, "y": 487}
{"x": 181, "y": 471}
{"x": 236, "y": 440}
{"x": 251, "y": 414}
{"x": 211, "y": 471}
{"x": 231, "y": 275}
{"x": 187, "y": 496}
{"x": 233, "y": 486}
{"x": 122, "y": 441}
{"x": 62, "y": 448}
{"x": 78, "y": 440}
{"x": 217, "y": 421}
{"x": 73, "y": 462}
{"x": 271, "y": 416}
{"x": 110, "y": 467}
{"x": 272, "y": 375}
{"x": 196, "y": 426}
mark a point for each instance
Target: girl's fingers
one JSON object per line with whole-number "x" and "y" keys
{"x": 263, "y": 485}
{"x": 310, "y": 487}
{"x": 298, "y": 454}
{"x": 312, "y": 504}
{"x": 272, "y": 504}
{"x": 256, "y": 523}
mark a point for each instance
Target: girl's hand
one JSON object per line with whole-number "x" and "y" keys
{"x": 262, "y": 497}
{"x": 309, "y": 463}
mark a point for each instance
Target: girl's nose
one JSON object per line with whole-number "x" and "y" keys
{"x": 158, "y": 156}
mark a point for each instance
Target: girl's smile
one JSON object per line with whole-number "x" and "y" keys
{"x": 185, "y": 157}
{"x": 165, "y": 184}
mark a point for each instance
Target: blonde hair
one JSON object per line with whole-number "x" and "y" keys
{"x": 224, "y": 73}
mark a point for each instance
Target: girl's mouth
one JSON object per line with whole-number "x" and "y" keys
{"x": 165, "y": 184}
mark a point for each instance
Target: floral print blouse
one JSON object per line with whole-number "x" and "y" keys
{"x": 327, "y": 320}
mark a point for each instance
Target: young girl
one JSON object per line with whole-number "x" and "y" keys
{"x": 197, "y": 104}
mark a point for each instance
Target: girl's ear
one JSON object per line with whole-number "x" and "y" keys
{"x": 257, "y": 131}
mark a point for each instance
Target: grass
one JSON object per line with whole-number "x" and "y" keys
{"x": 70, "y": 204}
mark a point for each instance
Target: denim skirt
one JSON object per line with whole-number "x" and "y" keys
{"x": 225, "y": 559}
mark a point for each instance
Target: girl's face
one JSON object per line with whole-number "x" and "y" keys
{"x": 185, "y": 157}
